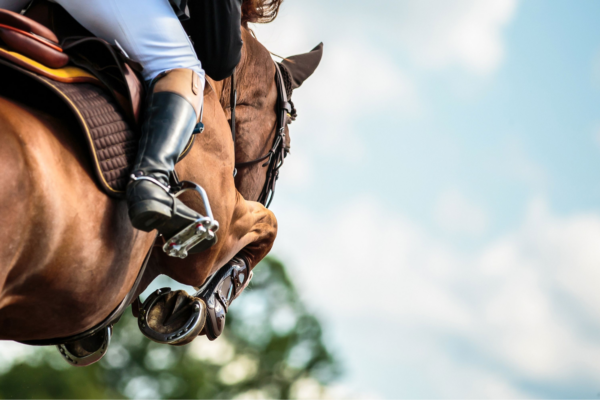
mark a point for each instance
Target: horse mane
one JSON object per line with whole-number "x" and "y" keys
{"x": 259, "y": 11}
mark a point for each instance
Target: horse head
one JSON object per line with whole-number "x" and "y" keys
{"x": 256, "y": 116}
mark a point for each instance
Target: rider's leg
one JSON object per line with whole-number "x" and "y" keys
{"x": 171, "y": 114}
{"x": 151, "y": 34}
{"x": 148, "y": 30}
{"x": 14, "y": 5}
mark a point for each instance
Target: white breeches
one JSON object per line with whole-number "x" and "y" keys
{"x": 148, "y": 31}
{"x": 13, "y": 5}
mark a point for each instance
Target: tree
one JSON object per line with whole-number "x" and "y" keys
{"x": 271, "y": 345}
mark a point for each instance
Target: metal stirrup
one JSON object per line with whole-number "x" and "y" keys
{"x": 204, "y": 228}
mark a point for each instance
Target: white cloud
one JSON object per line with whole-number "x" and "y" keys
{"x": 517, "y": 163}
{"x": 596, "y": 69}
{"x": 368, "y": 58}
{"x": 596, "y": 135}
{"x": 354, "y": 81}
{"x": 510, "y": 303}
{"x": 455, "y": 212}
{"x": 467, "y": 33}
{"x": 290, "y": 33}
{"x": 298, "y": 171}
{"x": 433, "y": 33}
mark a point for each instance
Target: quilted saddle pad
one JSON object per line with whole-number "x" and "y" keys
{"x": 111, "y": 139}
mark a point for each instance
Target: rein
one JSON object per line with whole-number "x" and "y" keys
{"x": 278, "y": 152}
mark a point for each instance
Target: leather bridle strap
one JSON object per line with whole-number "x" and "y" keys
{"x": 278, "y": 150}
{"x": 233, "y": 104}
{"x": 277, "y": 153}
{"x": 257, "y": 160}
{"x": 112, "y": 317}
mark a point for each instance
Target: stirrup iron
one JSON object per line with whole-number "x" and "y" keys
{"x": 202, "y": 229}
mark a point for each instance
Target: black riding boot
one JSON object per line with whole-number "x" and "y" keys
{"x": 168, "y": 125}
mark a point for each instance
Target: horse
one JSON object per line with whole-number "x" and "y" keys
{"x": 69, "y": 254}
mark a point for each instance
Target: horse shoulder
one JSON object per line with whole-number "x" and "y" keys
{"x": 62, "y": 237}
{"x": 15, "y": 184}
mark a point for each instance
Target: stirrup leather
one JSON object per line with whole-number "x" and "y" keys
{"x": 158, "y": 183}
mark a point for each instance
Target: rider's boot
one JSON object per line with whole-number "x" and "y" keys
{"x": 169, "y": 120}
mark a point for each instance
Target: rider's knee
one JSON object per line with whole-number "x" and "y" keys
{"x": 186, "y": 83}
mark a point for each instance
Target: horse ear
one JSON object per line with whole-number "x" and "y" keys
{"x": 302, "y": 66}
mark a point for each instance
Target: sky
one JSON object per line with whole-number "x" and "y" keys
{"x": 440, "y": 209}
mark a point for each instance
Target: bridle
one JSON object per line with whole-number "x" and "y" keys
{"x": 275, "y": 157}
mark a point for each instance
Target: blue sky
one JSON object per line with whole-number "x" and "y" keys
{"x": 443, "y": 178}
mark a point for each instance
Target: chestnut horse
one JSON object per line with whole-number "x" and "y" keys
{"x": 69, "y": 254}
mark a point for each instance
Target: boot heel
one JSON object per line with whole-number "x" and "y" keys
{"x": 147, "y": 215}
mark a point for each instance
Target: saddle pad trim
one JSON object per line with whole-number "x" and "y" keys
{"x": 65, "y": 75}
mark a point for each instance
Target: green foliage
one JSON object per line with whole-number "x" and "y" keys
{"x": 270, "y": 344}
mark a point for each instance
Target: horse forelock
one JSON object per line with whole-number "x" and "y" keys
{"x": 259, "y": 11}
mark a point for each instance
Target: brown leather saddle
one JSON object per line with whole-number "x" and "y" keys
{"x": 46, "y": 54}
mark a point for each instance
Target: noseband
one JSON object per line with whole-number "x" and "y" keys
{"x": 275, "y": 157}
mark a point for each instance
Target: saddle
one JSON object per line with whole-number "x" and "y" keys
{"x": 46, "y": 54}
